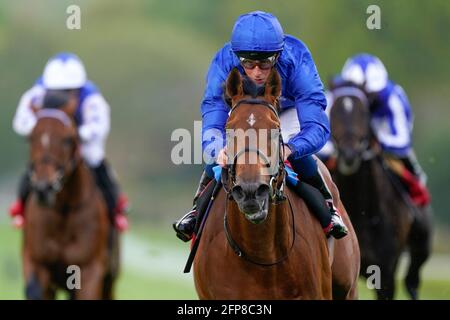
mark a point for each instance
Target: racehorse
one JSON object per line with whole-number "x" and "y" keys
{"x": 386, "y": 222}
{"x": 69, "y": 242}
{"x": 260, "y": 240}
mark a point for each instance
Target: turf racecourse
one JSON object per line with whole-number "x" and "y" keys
{"x": 153, "y": 260}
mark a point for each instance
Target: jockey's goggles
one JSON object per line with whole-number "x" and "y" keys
{"x": 263, "y": 64}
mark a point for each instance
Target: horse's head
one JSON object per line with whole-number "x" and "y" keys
{"x": 253, "y": 143}
{"x": 350, "y": 127}
{"x": 54, "y": 150}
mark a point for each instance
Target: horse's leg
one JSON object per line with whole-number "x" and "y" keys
{"x": 419, "y": 248}
{"x": 387, "y": 289}
{"x": 352, "y": 293}
{"x": 38, "y": 285}
{"x": 72, "y": 295}
{"x": 92, "y": 276}
{"x": 108, "y": 284}
{"x": 37, "y": 279}
{"x": 113, "y": 265}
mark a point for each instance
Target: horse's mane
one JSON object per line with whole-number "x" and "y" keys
{"x": 250, "y": 88}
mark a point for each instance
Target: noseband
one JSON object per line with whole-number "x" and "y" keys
{"x": 367, "y": 152}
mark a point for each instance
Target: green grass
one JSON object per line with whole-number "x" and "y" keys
{"x": 153, "y": 260}
{"x": 430, "y": 290}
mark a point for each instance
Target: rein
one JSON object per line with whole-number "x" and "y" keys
{"x": 245, "y": 256}
{"x": 276, "y": 194}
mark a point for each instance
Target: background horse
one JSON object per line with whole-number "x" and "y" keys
{"x": 260, "y": 245}
{"x": 385, "y": 221}
{"x": 66, "y": 216}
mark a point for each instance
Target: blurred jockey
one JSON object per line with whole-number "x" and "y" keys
{"x": 391, "y": 118}
{"x": 66, "y": 72}
{"x": 257, "y": 45}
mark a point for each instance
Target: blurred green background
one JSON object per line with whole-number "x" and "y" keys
{"x": 149, "y": 59}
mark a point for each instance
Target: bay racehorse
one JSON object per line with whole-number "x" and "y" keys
{"x": 260, "y": 240}
{"x": 385, "y": 220}
{"x": 68, "y": 241}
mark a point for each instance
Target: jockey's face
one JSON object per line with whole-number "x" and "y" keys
{"x": 258, "y": 75}
{"x": 258, "y": 70}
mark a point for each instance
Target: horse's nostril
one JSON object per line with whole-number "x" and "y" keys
{"x": 262, "y": 191}
{"x": 348, "y": 155}
{"x": 238, "y": 193}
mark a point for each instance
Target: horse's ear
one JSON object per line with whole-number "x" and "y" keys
{"x": 234, "y": 88}
{"x": 273, "y": 86}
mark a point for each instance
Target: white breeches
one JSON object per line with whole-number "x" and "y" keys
{"x": 290, "y": 125}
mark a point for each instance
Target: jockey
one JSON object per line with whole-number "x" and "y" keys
{"x": 257, "y": 45}
{"x": 391, "y": 117}
{"x": 65, "y": 71}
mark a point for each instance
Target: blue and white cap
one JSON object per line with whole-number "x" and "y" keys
{"x": 64, "y": 71}
{"x": 367, "y": 71}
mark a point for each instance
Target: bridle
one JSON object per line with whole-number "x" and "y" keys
{"x": 276, "y": 184}
{"x": 62, "y": 168}
{"x": 365, "y": 149}
{"x": 277, "y": 178}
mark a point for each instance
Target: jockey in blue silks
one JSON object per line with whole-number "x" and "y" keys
{"x": 257, "y": 45}
{"x": 391, "y": 117}
{"x": 65, "y": 73}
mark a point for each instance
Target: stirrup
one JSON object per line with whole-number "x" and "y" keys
{"x": 184, "y": 227}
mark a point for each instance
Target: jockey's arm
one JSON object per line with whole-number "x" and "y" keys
{"x": 214, "y": 111}
{"x": 25, "y": 118}
{"x": 393, "y": 129}
{"x": 310, "y": 103}
{"x": 328, "y": 149}
{"x": 95, "y": 118}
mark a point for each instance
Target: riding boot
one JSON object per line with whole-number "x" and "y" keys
{"x": 116, "y": 202}
{"x": 415, "y": 179}
{"x": 17, "y": 209}
{"x": 185, "y": 226}
{"x": 336, "y": 227}
{"x": 412, "y": 164}
{"x": 312, "y": 188}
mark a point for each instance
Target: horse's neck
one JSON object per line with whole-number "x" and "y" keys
{"x": 268, "y": 241}
{"x": 77, "y": 187}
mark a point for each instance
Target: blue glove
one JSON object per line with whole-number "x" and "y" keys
{"x": 217, "y": 172}
{"x": 291, "y": 176}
